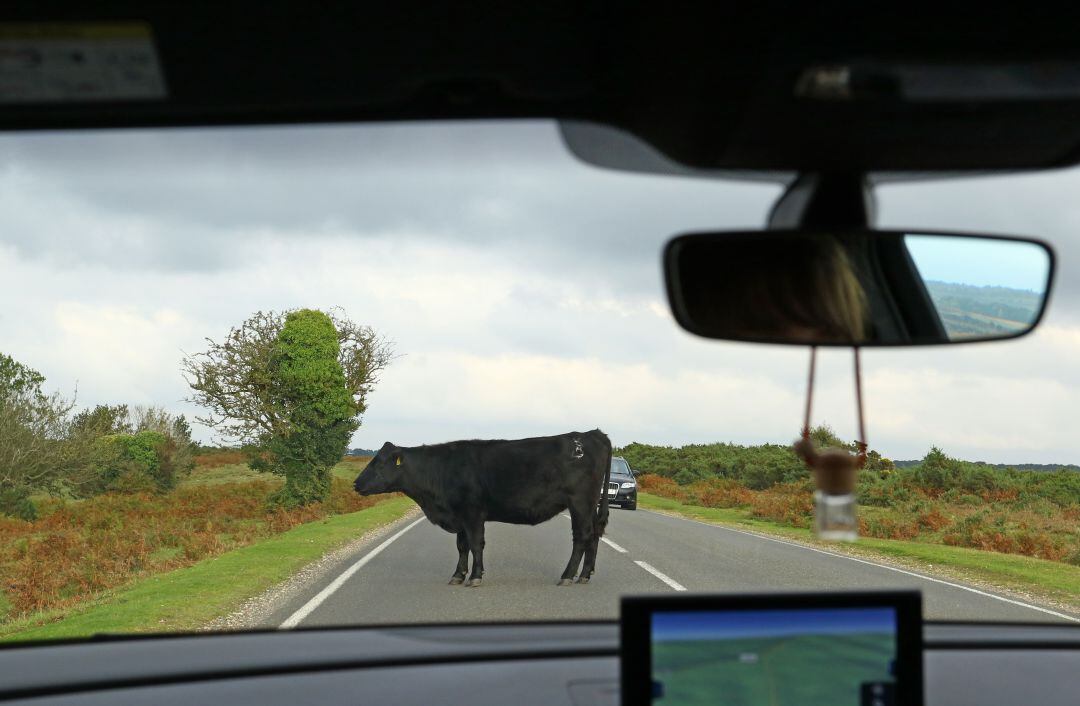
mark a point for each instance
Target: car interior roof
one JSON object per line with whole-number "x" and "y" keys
{"x": 709, "y": 89}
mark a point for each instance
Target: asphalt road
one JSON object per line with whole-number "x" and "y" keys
{"x": 406, "y": 581}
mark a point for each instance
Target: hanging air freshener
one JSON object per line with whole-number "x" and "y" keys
{"x": 834, "y": 470}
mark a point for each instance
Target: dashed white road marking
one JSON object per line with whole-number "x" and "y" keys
{"x": 662, "y": 576}
{"x": 293, "y": 620}
{"x": 605, "y": 540}
{"x": 613, "y": 545}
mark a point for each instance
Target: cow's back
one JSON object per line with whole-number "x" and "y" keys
{"x": 522, "y": 481}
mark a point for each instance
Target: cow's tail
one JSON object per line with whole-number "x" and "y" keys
{"x": 602, "y": 510}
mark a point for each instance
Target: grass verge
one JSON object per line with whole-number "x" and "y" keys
{"x": 1050, "y": 580}
{"x": 188, "y": 598}
{"x": 211, "y": 473}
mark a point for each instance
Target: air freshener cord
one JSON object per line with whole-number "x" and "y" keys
{"x": 861, "y": 441}
{"x": 809, "y": 393}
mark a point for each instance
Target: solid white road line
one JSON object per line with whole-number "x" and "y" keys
{"x": 962, "y": 587}
{"x": 613, "y": 545}
{"x": 293, "y": 620}
{"x": 662, "y": 576}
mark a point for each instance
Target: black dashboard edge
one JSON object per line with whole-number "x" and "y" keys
{"x": 278, "y": 670}
{"x": 65, "y": 670}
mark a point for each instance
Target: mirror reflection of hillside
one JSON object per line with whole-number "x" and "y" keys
{"x": 969, "y": 311}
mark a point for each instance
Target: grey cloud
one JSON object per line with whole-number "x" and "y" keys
{"x": 196, "y": 200}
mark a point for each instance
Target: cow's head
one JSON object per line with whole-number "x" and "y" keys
{"x": 383, "y": 473}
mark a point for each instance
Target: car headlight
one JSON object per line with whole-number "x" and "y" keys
{"x": 628, "y": 485}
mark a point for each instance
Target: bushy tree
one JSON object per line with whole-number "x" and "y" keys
{"x": 177, "y": 452}
{"x": 310, "y": 384}
{"x": 33, "y": 425}
{"x": 936, "y": 471}
{"x": 233, "y": 380}
{"x": 824, "y": 436}
{"x": 102, "y": 420}
{"x": 290, "y": 388}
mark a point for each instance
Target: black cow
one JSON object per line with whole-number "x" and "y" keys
{"x": 461, "y": 485}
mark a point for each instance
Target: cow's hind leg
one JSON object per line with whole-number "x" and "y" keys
{"x": 474, "y": 532}
{"x": 582, "y": 528}
{"x": 589, "y": 567}
{"x": 463, "y": 559}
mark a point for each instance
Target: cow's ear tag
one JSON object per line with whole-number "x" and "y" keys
{"x": 398, "y": 461}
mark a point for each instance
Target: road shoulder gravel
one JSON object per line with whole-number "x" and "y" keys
{"x": 255, "y": 612}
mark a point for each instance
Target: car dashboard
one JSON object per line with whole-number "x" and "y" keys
{"x": 479, "y": 664}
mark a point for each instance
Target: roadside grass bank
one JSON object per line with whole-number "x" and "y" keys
{"x": 1042, "y": 525}
{"x": 1052, "y": 581}
{"x": 75, "y": 551}
{"x": 187, "y": 598}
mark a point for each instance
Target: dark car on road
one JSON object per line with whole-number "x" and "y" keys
{"x": 622, "y": 487}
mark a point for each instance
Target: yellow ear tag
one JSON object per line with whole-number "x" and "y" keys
{"x": 398, "y": 463}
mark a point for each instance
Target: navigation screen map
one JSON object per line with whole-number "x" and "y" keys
{"x": 834, "y": 656}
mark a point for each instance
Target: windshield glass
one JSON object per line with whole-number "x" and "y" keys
{"x": 228, "y": 354}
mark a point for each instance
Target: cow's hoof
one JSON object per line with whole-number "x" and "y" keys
{"x": 583, "y": 579}
{"x": 566, "y": 582}
{"x": 457, "y": 580}
{"x": 473, "y": 583}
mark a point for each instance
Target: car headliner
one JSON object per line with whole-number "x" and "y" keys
{"x": 711, "y": 91}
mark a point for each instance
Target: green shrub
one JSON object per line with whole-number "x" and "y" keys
{"x": 134, "y": 462}
{"x": 891, "y": 491}
{"x": 936, "y": 471}
{"x": 15, "y": 502}
{"x": 1060, "y": 487}
{"x": 131, "y": 479}
{"x": 687, "y": 476}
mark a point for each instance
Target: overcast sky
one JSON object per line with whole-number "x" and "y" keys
{"x": 522, "y": 288}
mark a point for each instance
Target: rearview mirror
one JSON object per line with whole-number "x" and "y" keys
{"x": 864, "y": 288}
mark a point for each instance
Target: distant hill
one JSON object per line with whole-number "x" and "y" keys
{"x": 968, "y": 311}
{"x": 1044, "y": 467}
{"x": 360, "y": 452}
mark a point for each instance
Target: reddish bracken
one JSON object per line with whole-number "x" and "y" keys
{"x": 1044, "y": 535}
{"x": 78, "y": 549}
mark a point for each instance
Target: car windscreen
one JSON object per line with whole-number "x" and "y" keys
{"x": 238, "y": 351}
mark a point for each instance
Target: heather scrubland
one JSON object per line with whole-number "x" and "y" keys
{"x": 941, "y": 500}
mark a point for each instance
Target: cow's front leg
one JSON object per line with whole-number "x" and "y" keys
{"x": 474, "y": 532}
{"x": 463, "y": 559}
